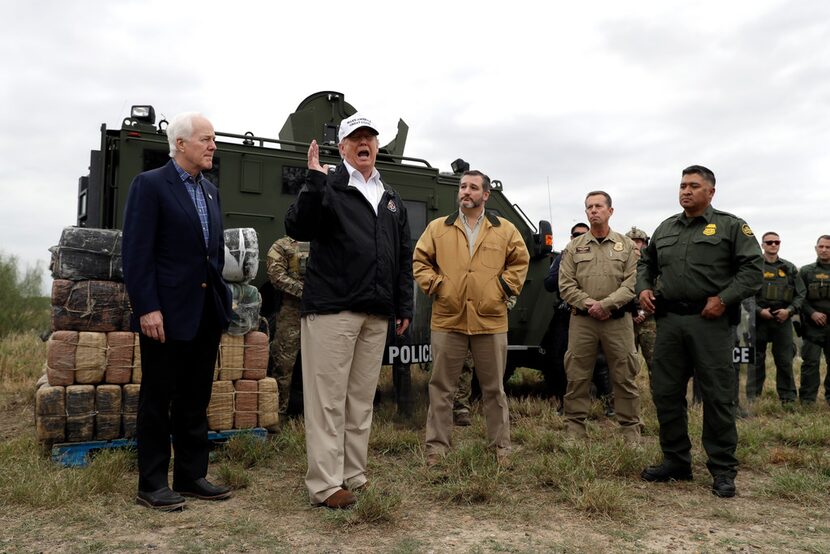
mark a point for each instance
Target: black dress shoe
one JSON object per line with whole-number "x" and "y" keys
{"x": 204, "y": 489}
{"x": 163, "y": 499}
{"x": 723, "y": 486}
{"x": 666, "y": 472}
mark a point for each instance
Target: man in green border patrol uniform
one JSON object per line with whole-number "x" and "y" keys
{"x": 645, "y": 328}
{"x": 286, "y": 264}
{"x": 780, "y": 298}
{"x": 814, "y": 321}
{"x": 707, "y": 261}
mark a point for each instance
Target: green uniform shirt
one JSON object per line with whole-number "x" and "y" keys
{"x": 816, "y": 279}
{"x": 714, "y": 254}
{"x": 604, "y": 271}
{"x": 781, "y": 289}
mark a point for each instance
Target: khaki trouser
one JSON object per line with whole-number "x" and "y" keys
{"x": 616, "y": 336}
{"x": 342, "y": 354}
{"x": 490, "y": 357}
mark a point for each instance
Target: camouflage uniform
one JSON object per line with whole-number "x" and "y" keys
{"x": 286, "y": 265}
{"x": 645, "y": 332}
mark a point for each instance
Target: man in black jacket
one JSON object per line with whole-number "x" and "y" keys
{"x": 359, "y": 276}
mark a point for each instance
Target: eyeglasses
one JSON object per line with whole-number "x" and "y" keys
{"x": 577, "y": 234}
{"x": 771, "y": 242}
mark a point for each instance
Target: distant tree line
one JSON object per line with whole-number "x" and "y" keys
{"x": 22, "y": 306}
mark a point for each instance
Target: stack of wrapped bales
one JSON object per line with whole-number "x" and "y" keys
{"x": 243, "y": 397}
{"x": 93, "y": 366}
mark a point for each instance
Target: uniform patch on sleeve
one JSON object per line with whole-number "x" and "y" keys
{"x": 746, "y": 230}
{"x": 583, "y": 249}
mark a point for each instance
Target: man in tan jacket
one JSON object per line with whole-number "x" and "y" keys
{"x": 473, "y": 264}
{"x": 597, "y": 277}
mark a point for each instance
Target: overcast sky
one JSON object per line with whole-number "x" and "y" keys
{"x": 554, "y": 99}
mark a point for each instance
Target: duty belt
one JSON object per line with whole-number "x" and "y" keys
{"x": 615, "y": 314}
{"x": 682, "y": 307}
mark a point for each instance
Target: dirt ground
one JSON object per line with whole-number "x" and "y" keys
{"x": 273, "y": 515}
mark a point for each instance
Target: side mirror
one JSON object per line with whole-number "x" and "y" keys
{"x": 543, "y": 240}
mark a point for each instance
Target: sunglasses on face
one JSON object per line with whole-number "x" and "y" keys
{"x": 577, "y": 234}
{"x": 771, "y": 242}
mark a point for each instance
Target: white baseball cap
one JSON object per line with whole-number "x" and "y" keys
{"x": 352, "y": 124}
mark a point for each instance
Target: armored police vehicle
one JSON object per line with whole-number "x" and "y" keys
{"x": 259, "y": 178}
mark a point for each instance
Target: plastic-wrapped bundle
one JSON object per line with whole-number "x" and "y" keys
{"x": 85, "y": 253}
{"x": 100, "y": 306}
{"x": 256, "y": 356}
{"x": 241, "y": 255}
{"x": 60, "y": 358}
{"x": 245, "y": 307}
{"x": 245, "y": 404}
{"x": 267, "y": 403}
{"x": 220, "y": 409}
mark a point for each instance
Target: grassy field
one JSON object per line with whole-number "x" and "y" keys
{"x": 558, "y": 496}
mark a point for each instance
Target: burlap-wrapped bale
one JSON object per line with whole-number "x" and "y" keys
{"x": 128, "y": 425}
{"x": 241, "y": 255}
{"x": 245, "y": 404}
{"x": 119, "y": 369}
{"x": 89, "y": 306}
{"x": 60, "y": 357}
{"x": 50, "y": 413}
{"x": 108, "y": 412}
{"x": 91, "y": 358}
{"x": 267, "y": 403}
{"x": 80, "y": 400}
{"x": 129, "y": 405}
{"x": 80, "y": 413}
{"x": 220, "y": 409}
{"x": 80, "y": 428}
{"x": 129, "y": 398}
{"x": 245, "y": 309}
{"x": 231, "y": 357}
{"x": 108, "y": 399}
{"x": 85, "y": 253}
{"x": 256, "y": 356}
{"x": 136, "y": 377}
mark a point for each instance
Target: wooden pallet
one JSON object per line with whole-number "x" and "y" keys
{"x": 77, "y": 454}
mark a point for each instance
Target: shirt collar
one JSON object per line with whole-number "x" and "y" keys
{"x": 185, "y": 176}
{"x": 375, "y": 176}
{"x": 467, "y": 222}
{"x": 706, "y": 215}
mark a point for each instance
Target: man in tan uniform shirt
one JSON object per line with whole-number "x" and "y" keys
{"x": 597, "y": 277}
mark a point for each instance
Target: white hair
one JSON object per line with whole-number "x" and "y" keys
{"x": 181, "y": 127}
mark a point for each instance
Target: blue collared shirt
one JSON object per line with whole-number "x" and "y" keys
{"x": 197, "y": 194}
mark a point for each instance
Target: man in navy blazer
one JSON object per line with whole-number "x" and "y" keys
{"x": 173, "y": 254}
